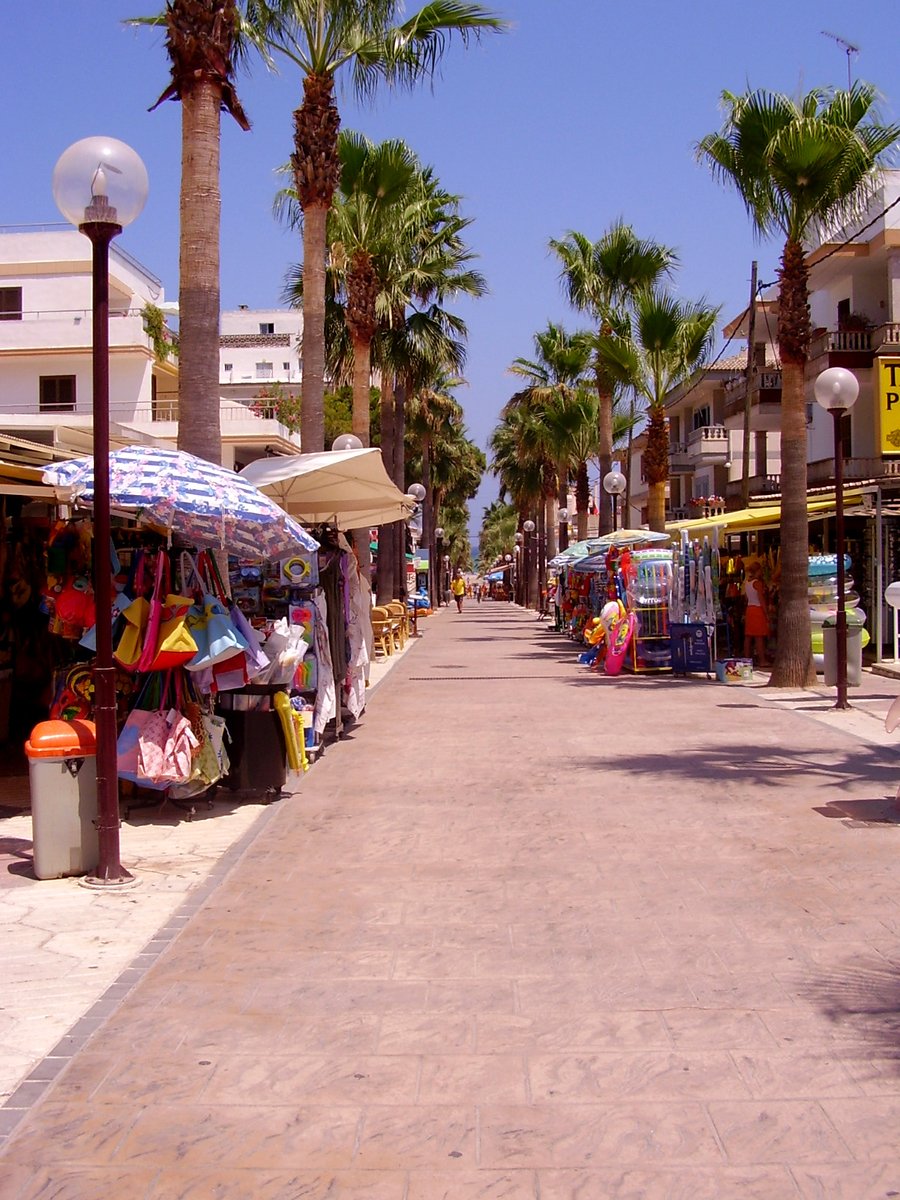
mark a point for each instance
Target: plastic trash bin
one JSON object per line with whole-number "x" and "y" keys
{"x": 854, "y": 652}
{"x": 62, "y": 770}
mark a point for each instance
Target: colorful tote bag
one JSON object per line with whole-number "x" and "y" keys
{"x": 175, "y": 645}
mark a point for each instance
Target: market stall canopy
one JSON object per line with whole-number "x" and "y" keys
{"x": 206, "y": 504}
{"x": 349, "y": 487}
{"x": 764, "y": 516}
{"x": 575, "y": 551}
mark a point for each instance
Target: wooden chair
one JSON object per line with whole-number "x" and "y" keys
{"x": 401, "y": 631}
{"x": 382, "y": 631}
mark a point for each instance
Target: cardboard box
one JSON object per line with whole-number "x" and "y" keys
{"x": 734, "y": 670}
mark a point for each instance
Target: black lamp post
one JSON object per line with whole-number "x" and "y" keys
{"x": 100, "y": 185}
{"x": 614, "y": 484}
{"x": 528, "y": 528}
{"x": 563, "y": 529}
{"x": 520, "y": 567}
{"x": 439, "y": 564}
{"x": 836, "y": 390}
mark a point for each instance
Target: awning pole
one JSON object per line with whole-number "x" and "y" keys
{"x": 879, "y": 579}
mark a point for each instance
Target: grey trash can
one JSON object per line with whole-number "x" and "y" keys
{"x": 62, "y": 769}
{"x": 854, "y": 652}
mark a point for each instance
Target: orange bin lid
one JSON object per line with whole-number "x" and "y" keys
{"x": 62, "y": 739}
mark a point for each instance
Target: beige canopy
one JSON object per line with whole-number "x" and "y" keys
{"x": 348, "y": 487}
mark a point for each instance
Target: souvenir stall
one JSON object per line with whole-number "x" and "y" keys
{"x": 333, "y": 491}
{"x": 695, "y": 604}
{"x": 184, "y": 644}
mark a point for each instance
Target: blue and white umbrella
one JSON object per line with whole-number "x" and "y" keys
{"x": 205, "y": 504}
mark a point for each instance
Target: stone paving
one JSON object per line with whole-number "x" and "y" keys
{"x": 65, "y": 948}
{"x": 535, "y": 933}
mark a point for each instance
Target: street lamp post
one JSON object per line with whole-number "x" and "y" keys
{"x": 836, "y": 390}
{"x": 439, "y": 564}
{"x": 416, "y": 493}
{"x": 520, "y": 567}
{"x": 528, "y": 527}
{"x": 100, "y": 185}
{"x": 614, "y": 484}
{"x": 563, "y": 529}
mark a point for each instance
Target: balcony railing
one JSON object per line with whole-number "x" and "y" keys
{"x": 854, "y": 468}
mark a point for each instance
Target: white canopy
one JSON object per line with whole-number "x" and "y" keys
{"x": 349, "y": 487}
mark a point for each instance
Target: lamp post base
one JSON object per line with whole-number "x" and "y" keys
{"x": 95, "y": 883}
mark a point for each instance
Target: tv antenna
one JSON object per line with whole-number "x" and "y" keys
{"x": 848, "y": 48}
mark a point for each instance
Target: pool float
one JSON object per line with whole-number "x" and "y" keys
{"x": 619, "y": 635}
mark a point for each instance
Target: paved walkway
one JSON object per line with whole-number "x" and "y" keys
{"x": 536, "y": 934}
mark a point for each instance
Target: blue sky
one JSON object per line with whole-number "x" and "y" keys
{"x": 586, "y": 111}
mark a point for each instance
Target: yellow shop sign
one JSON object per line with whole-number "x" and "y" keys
{"x": 889, "y": 405}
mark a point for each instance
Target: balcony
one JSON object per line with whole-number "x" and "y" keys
{"x": 822, "y": 472}
{"x": 760, "y": 485}
{"x": 850, "y": 348}
{"x": 238, "y": 423}
{"x": 708, "y": 445}
{"x": 765, "y": 411}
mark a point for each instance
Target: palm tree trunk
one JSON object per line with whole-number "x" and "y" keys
{"x": 362, "y": 380}
{"x": 428, "y": 517}
{"x": 398, "y": 474}
{"x": 388, "y": 584}
{"x": 199, "y": 428}
{"x": 582, "y": 498}
{"x": 656, "y": 504}
{"x": 312, "y": 396}
{"x": 794, "y": 665}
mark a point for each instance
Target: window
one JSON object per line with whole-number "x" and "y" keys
{"x": 227, "y": 366}
{"x": 265, "y": 370}
{"x": 11, "y": 304}
{"x": 267, "y": 327}
{"x": 57, "y": 393}
{"x": 701, "y": 417}
{"x": 286, "y": 367}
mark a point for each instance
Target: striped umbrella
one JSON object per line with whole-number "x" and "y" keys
{"x": 205, "y": 504}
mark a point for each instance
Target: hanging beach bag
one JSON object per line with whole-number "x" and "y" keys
{"x": 154, "y": 620}
{"x": 166, "y": 745}
{"x": 146, "y": 707}
{"x": 175, "y": 645}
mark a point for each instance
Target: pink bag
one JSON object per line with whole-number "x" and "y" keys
{"x": 165, "y": 748}
{"x": 151, "y": 633}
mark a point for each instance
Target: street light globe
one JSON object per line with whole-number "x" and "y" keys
{"x": 528, "y": 526}
{"x": 439, "y": 532}
{"x": 614, "y": 483}
{"x": 100, "y": 179}
{"x": 563, "y": 514}
{"x": 417, "y": 491}
{"x": 836, "y": 389}
{"x": 347, "y": 441}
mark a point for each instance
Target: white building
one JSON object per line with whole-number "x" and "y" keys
{"x": 259, "y": 351}
{"x": 46, "y": 390}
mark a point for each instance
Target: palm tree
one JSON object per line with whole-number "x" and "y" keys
{"x": 671, "y": 338}
{"x": 601, "y": 278}
{"x": 379, "y": 186}
{"x": 557, "y": 393}
{"x": 801, "y": 167}
{"x": 203, "y": 40}
{"x": 322, "y": 37}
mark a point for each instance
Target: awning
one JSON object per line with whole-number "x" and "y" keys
{"x": 349, "y": 487}
{"x": 766, "y": 516}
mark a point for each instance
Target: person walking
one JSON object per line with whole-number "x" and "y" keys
{"x": 458, "y": 588}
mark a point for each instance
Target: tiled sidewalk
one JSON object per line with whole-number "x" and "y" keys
{"x": 68, "y": 952}
{"x": 536, "y": 934}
